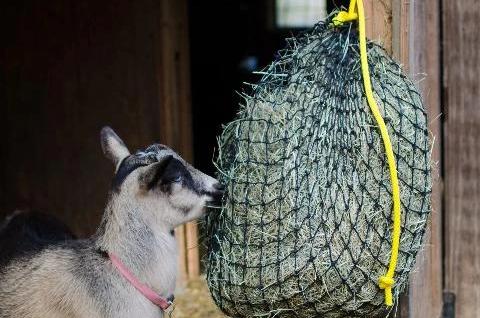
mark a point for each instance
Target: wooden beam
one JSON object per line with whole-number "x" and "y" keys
{"x": 175, "y": 109}
{"x": 462, "y": 154}
{"x": 182, "y": 265}
{"x": 185, "y": 124}
{"x": 401, "y": 31}
{"x": 193, "y": 254}
{"x": 418, "y": 47}
{"x": 378, "y": 15}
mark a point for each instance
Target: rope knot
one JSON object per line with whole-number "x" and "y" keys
{"x": 387, "y": 283}
{"x": 344, "y": 16}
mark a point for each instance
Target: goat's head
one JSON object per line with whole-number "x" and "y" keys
{"x": 158, "y": 183}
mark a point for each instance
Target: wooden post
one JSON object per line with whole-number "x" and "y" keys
{"x": 419, "y": 50}
{"x": 401, "y": 31}
{"x": 183, "y": 68}
{"x": 193, "y": 255}
{"x": 462, "y": 154}
{"x": 175, "y": 109}
{"x": 378, "y": 15}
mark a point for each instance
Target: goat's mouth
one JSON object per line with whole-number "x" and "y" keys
{"x": 214, "y": 199}
{"x": 215, "y": 196}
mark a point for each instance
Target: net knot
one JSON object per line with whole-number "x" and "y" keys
{"x": 387, "y": 283}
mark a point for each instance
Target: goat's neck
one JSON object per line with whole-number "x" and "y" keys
{"x": 148, "y": 250}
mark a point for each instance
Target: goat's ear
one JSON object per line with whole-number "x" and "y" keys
{"x": 113, "y": 147}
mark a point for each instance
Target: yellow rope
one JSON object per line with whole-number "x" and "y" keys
{"x": 385, "y": 282}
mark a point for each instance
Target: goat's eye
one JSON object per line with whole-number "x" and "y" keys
{"x": 177, "y": 179}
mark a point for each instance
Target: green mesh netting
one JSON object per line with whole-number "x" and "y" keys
{"x": 305, "y": 230}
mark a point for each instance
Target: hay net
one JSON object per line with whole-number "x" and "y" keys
{"x": 305, "y": 230}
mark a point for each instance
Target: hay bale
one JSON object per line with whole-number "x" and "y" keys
{"x": 306, "y": 226}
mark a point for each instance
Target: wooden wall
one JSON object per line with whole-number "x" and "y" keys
{"x": 66, "y": 69}
{"x": 422, "y": 55}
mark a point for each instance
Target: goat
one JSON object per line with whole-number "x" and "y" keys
{"x": 153, "y": 191}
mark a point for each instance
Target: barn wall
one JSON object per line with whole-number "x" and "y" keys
{"x": 66, "y": 69}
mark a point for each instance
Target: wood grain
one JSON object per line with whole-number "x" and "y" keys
{"x": 461, "y": 56}
{"x": 378, "y": 16}
{"x": 420, "y": 53}
{"x": 401, "y": 11}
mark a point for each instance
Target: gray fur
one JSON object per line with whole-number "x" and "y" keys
{"x": 75, "y": 279}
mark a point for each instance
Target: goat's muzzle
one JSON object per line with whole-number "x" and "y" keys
{"x": 216, "y": 195}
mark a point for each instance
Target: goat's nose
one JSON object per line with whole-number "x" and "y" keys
{"x": 217, "y": 193}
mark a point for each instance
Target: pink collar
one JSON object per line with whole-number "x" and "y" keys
{"x": 142, "y": 288}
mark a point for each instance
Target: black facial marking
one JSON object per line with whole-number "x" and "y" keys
{"x": 126, "y": 167}
{"x": 141, "y": 158}
{"x": 176, "y": 169}
{"x": 155, "y": 174}
{"x": 172, "y": 172}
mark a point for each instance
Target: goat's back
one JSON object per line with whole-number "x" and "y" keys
{"x": 26, "y": 232}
